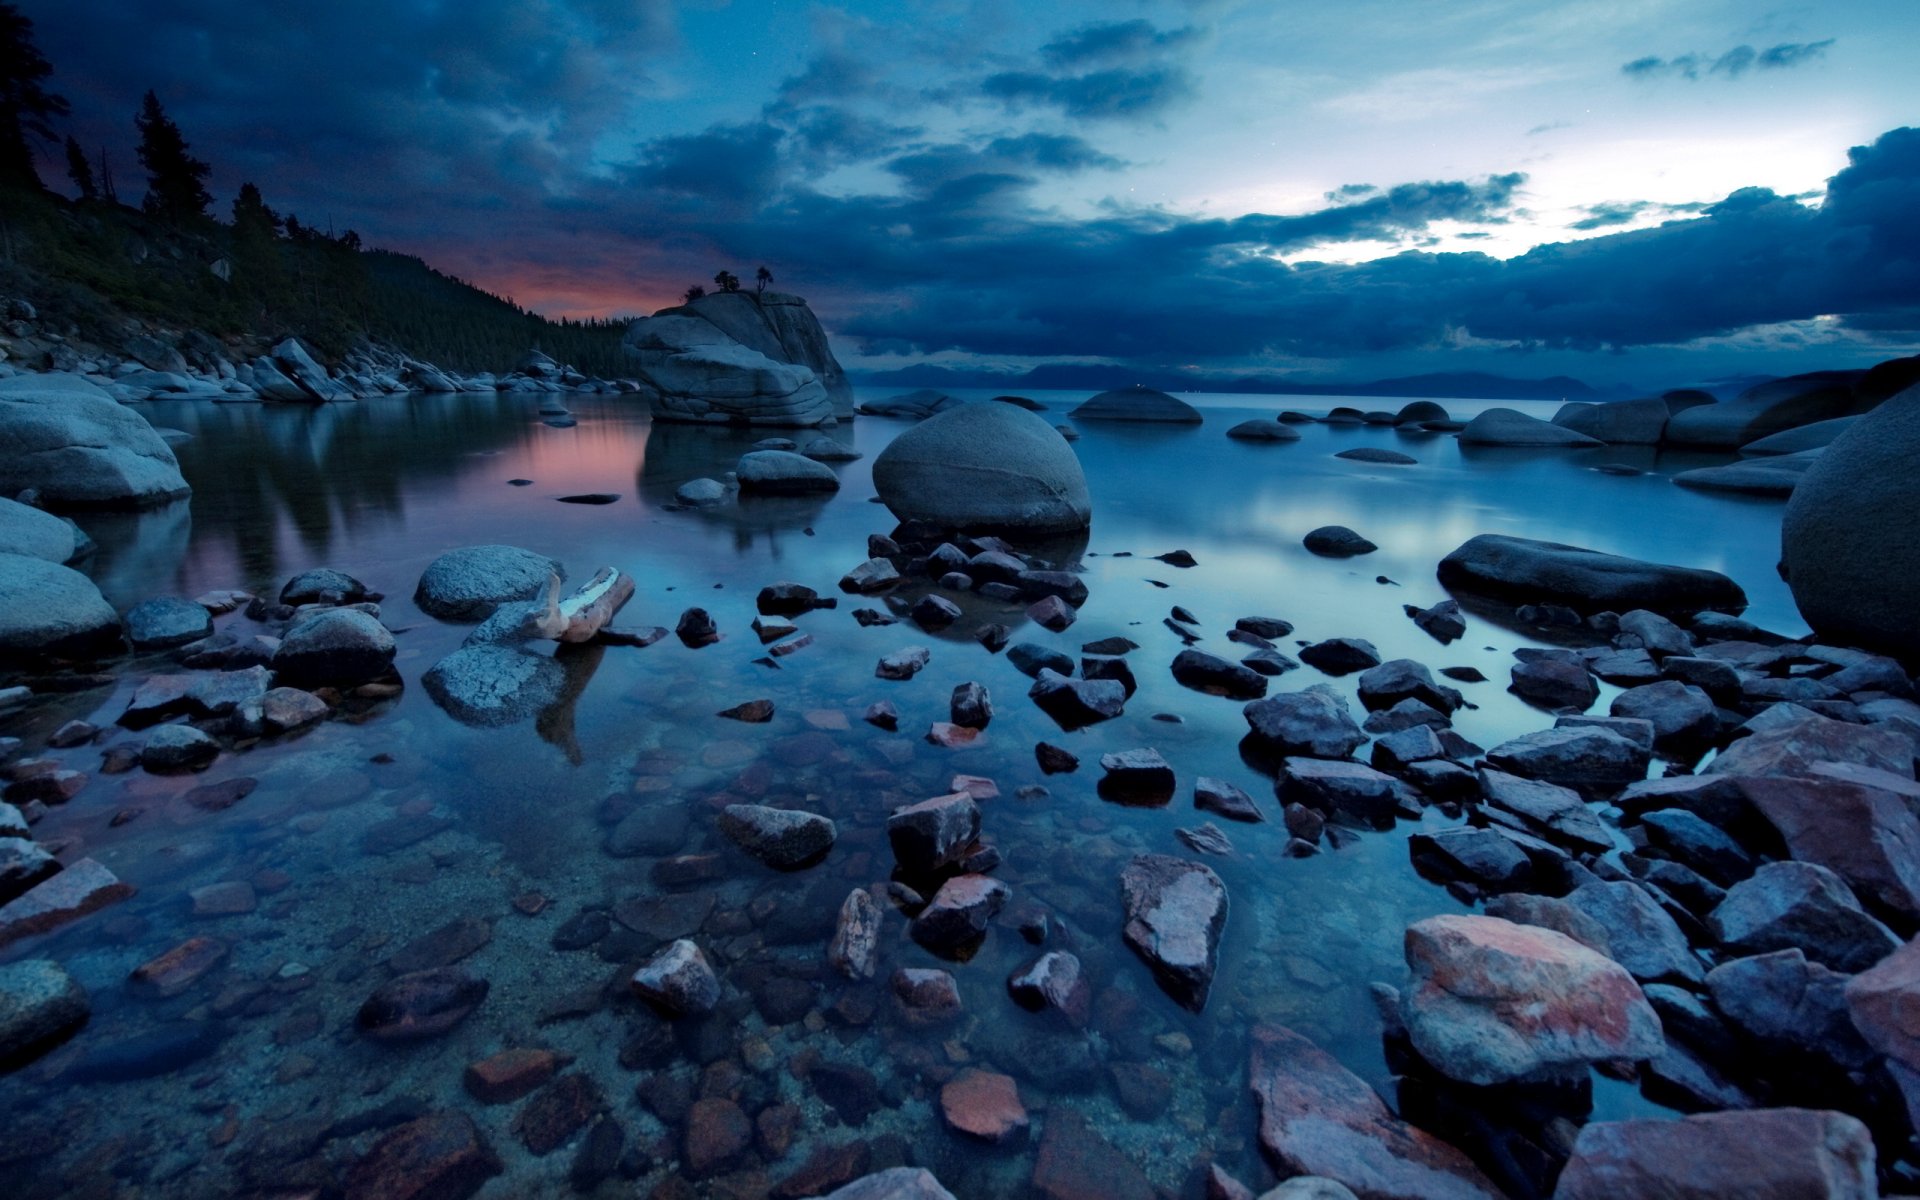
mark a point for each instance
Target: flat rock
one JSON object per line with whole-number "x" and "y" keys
{"x": 783, "y": 838}
{"x": 420, "y": 1005}
{"x": 1773, "y": 1152}
{"x": 1534, "y": 572}
{"x": 83, "y": 887}
{"x": 1175, "y": 911}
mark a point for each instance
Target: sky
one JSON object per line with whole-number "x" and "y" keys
{"x": 1644, "y": 192}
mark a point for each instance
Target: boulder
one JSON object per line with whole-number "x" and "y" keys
{"x": 469, "y": 583}
{"x": 1788, "y": 1004}
{"x": 958, "y": 914}
{"x": 1797, "y": 904}
{"x": 1589, "y": 759}
{"x": 1777, "y": 476}
{"x": 1850, "y": 539}
{"x": 1766, "y": 1154}
{"x": 698, "y": 370}
{"x": 1617, "y": 423}
{"x": 1816, "y": 436}
{"x": 1074, "y": 703}
{"x": 934, "y": 833}
{"x": 1175, "y": 911}
{"x": 1337, "y": 541}
{"x": 1790, "y": 740}
{"x": 334, "y": 646}
{"x": 1532, "y": 572}
{"x": 1640, "y": 935}
{"x": 781, "y": 326}
{"x": 1492, "y": 1001}
{"x": 494, "y": 684}
{"x": 678, "y": 981}
{"x": 80, "y": 448}
{"x": 1313, "y": 722}
{"x": 915, "y": 405}
{"x": 783, "y": 473}
{"x": 1866, "y": 835}
{"x": 1682, "y": 715}
{"x": 983, "y": 467}
{"x": 1881, "y": 1002}
{"x": 1508, "y": 427}
{"x": 40, "y": 1007}
{"x": 167, "y": 621}
{"x": 1765, "y": 409}
{"x": 308, "y": 377}
{"x": 1263, "y": 429}
{"x": 50, "y": 610}
{"x": 783, "y": 838}
{"x": 1137, "y": 404}
{"x": 323, "y": 585}
{"x": 1209, "y": 673}
{"x": 1318, "y": 1118}
{"x": 27, "y": 530}
{"x": 1378, "y": 455}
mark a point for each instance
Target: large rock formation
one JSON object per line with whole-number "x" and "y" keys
{"x": 1768, "y": 408}
{"x": 984, "y": 466}
{"x": 739, "y": 358}
{"x": 1619, "y": 423}
{"x": 80, "y": 448}
{"x": 1509, "y": 427}
{"x": 1850, "y": 541}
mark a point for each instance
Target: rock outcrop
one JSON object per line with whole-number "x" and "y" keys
{"x": 1509, "y": 427}
{"x": 1767, "y": 408}
{"x": 80, "y": 448}
{"x": 739, "y": 359}
{"x": 1137, "y": 404}
{"x": 984, "y": 466}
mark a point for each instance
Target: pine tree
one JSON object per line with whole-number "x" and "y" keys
{"x": 258, "y": 271}
{"x": 176, "y": 181}
{"x": 107, "y": 190}
{"x": 25, "y": 104}
{"x": 81, "y": 171}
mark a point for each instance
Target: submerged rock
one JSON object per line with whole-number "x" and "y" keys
{"x": 421, "y": 1004}
{"x": 491, "y": 685}
{"x": 1175, "y": 912}
{"x": 40, "y": 1007}
{"x": 1263, "y": 429}
{"x": 783, "y": 838}
{"x": 441, "y": 1156}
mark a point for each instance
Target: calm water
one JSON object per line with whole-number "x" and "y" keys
{"x": 353, "y": 858}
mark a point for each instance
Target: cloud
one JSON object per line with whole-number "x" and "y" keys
{"x": 1113, "y": 41}
{"x": 1732, "y": 64}
{"x": 1117, "y": 94}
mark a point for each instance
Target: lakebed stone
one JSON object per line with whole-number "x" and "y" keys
{"x": 1175, "y": 912}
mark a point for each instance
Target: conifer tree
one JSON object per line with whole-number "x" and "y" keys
{"x": 81, "y": 171}
{"x": 176, "y": 181}
{"x": 25, "y": 103}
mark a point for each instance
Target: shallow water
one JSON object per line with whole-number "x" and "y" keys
{"x": 353, "y": 858}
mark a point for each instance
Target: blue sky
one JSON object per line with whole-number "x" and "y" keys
{"x": 1629, "y": 190}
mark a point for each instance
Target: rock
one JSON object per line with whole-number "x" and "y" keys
{"x": 1764, "y": 409}
{"x": 1794, "y": 741}
{"x": 1867, "y": 836}
{"x": 1136, "y": 777}
{"x": 177, "y": 748}
{"x": 1031, "y": 659}
{"x": 984, "y": 1105}
{"x": 1052, "y": 613}
{"x": 1337, "y": 541}
{"x": 1137, "y": 404}
{"x": 1340, "y": 656}
{"x": 702, "y": 493}
{"x": 1492, "y": 1002}
{"x": 1850, "y": 567}
{"x": 1794, "y": 904}
{"x": 83, "y": 887}
{"x": 1442, "y": 622}
{"x": 958, "y": 913}
{"x": 927, "y": 997}
{"x": 1074, "y": 703}
{"x": 984, "y": 467}
{"x": 1640, "y": 935}
{"x": 1263, "y": 429}
{"x": 78, "y": 447}
{"x": 894, "y": 1183}
{"x": 1312, "y": 722}
{"x": 1487, "y": 858}
{"x": 440, "y": 1156}
{"x": 510, "y": 1074}
{"x": 279, "y": 711}
{"x": 50, "y": 610}
{"x": 1401, "y": 679}
{"x": 469, "y": 583}
{"x": 1175, "y": 912}
{"x": 1318, "y": 1118}
{"x": 782, "y": 838}
{"x": 27, "y": 530}
{"x": 1373, "y": 454}
{"x": 855, "y": 948}
{"x": 870, "y": 577}
{"x": 1779, "y": 476}
{"x": 934, "y": 613}
{"x": 40, "y": 1007}
{"x": 493, "y": 685}
{"x": 713, "y": 362}
{"x": 323, "y": 585}
{"x": 1787, "y": 1004}
{"x": 678, "y": 981}
{"x": 1802, "y": 1152}
{"x": 1618, "y": 423}
{"x": 1419, "y": 412}
{"x": 1880, "y": 1002}
{"x": 1589, "y": 759}
{"x": 1509, "y": 427}
{"x": 1053, "y": 760}
{"x": 1682, "y": 715}
{"x": 934, "y": 833}
{"x": 1205, "y": 672}
{"x": 1699, "y": 843}
{"x": 1589, "y": 581}
{"x": 1339, "y": 786}
{"x": 1225, "y": 799}
{"x": 22, "y": 863}
{"x": 753, "y": 712}
{"x": 334, "y": 646}
{"x": 1055, "y": 982}
{"x": 904, "y": 663}
{"x": 422, "y": 1004}
{"x": 1076, "y": 1163}
{"x": 783, "y": 473}
{"x": 1799, "y": 439}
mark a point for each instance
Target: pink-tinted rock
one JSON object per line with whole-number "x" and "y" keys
{"x": 984, "y": 1105}
{"x": 1867, "y": 836}
{"x": 1884, "y": 1002}
{"x": 1175, "y": 912}
{"x": 510, "y": 1074}
{"x": 440, "y": 1156}
{"x": 1056, "y": 981}
{"x": 232, "y": 898}
{"x": 420, "y": 1005}
{"x": 927, "y": 996}
{"x": 1492, "y": 1001}
{"x": 84, "y": 887}
{"x": 1076, "y": 1163}
{"x": 855, "y": 948}
{"x": 1762, "y": 1154}
{"x": 959, "y": 912}
{"x": 1790, "y": 740}
{"x": 1318, "y": 1118}
{"x": 717, "y": 1134}
{"x": 175, "y": 971}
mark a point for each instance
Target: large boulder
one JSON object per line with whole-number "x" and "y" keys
{"x": 1508, "y": 427}
{"x": 40, "y": 1007}
{"x": 1492, "y": 1001}
{"x": 1776, "y": 475}
{"x": 1530, "y": 572}
{"x": 1138, "y": 404}
{"x": 1767, "y": 1154}
{"x": 47, "y": 609}
{"x": 984, "y": 466}
{"x": 784, "y": 473}
{"x": 80, "y": 448}
{"x": 491, "y": 684}
{"x": 1882, "y": 1002}
{"x": 726, "y": 359}
{"x": 1620, "y": 423}
{"x": 469, "y": 583}
{"x": 298, "y": 367}
{"x": 1799, "y": 439}
{"x": 341, "y": 646}
{"x": 1765, "y": 409}
{"x": 1318, "y": 1118}
{"x": 1850, "y": 540}
{"x": 27, "y": 530}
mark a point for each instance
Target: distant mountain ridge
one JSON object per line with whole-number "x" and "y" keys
{"x": 1478, "y": 385}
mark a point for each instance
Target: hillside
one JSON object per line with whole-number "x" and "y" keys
{"x": 1478, "y": 385}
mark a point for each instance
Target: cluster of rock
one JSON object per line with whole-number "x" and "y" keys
{"x": 739, "y": 358}
{"x": 149, "y": 365}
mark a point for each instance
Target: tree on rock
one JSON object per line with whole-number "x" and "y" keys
{"x": 176, "y": 180}
{"x": 761, "y": 279}
{"x": 727, "y": 281}
{"x": 693, "y": 293}
{"x": 25, "y": 103}
{"x": 81, "y": 171}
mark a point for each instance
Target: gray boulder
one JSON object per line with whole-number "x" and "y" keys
{"x": 984, "y": 466}
{"x": 1850, "y": 539}
{"x": 1263, "y": 429}
{"x": 40, "y": 1007}
{"x": 1138, "y": 404}
{"x": 1619, "y": 423}
{"x": 80, "y": 448}
{"x": 1175, "y": 910}
{"x": 917, "y": 405}
{"x": 1816, "y": 436}
{"x": 493, "y": 684}
{"x": 1777, "y": 1152}
{"x": 297, "y": 366}
{"x": 783, "y": 838}
{"x": 1788, "y": 905}
{"x": 1778, "y": 475}
{"x": 1765, "y": 409}
{"x": 1531, "y": 572}
{"x": 27, "y": 530}
{"x": 469, "y": 583}
{"x": 713, "y": 362}
{"x": 47, "y": 609}
{"x": 336, "y": 646}
{"x": 782, "y": 327}
{"x": 1508, "y": 427}
{"x": 784, "y": 473}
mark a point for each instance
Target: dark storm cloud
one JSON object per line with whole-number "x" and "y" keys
{"x": 1123, "y": 93}
{"x": 1731, "y": 65}
{"x": 1113, "y": 41}
{"x": 1006, "y": 158}
{"x": 1625, "y": 212}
